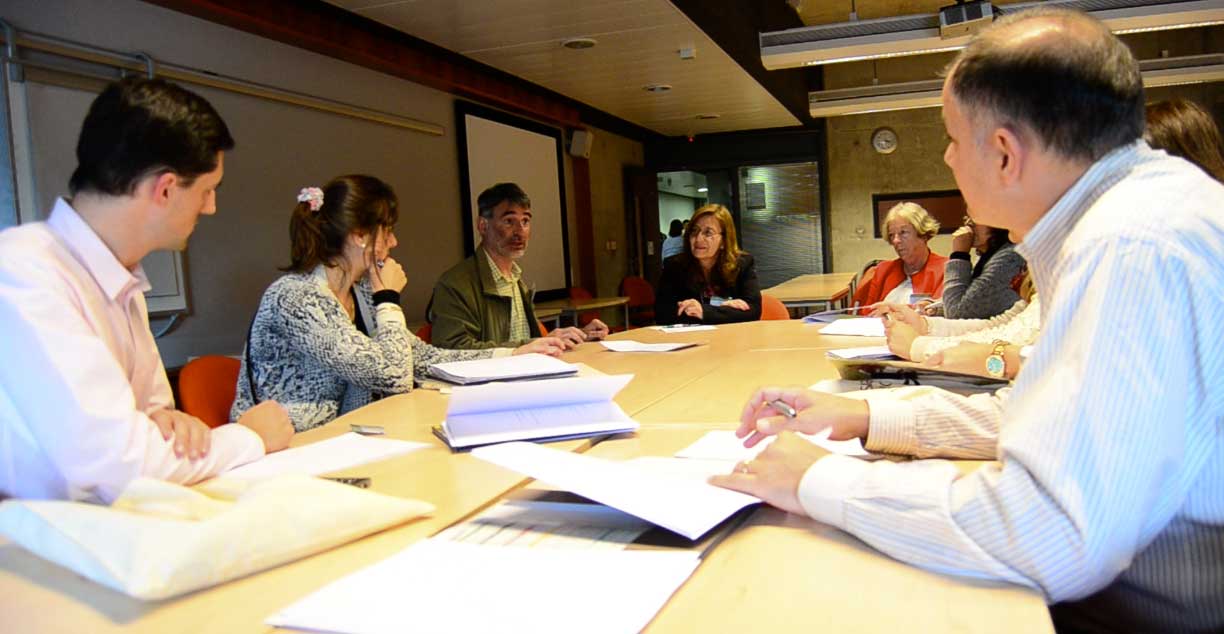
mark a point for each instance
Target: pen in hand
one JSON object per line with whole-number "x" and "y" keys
{"x": 783, "y": 408}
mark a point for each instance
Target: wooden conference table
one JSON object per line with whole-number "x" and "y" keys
{"x": 776, "y": 572}
{"x": 815, "y": 289}
{"x": 573, "y": 307}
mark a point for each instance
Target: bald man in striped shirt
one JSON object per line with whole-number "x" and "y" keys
{"x": 1107, "y": 494}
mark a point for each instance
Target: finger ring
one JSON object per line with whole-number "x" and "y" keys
{"x": 744, "y": 467}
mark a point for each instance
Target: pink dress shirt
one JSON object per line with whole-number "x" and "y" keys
{"x": 80, "y": 373}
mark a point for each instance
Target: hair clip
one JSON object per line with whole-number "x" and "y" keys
{"x": 311, "y": 195}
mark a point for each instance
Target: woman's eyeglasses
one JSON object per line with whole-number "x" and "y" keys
{"x": 706, "y": 233}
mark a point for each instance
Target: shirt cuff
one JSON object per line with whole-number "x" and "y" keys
{"x": 386, "y": 295}
{"x": 502, "y": 352}
{"x": 824, "y": 488}
{"x": 891, "y": 427}
{"x": 242, "y": 443}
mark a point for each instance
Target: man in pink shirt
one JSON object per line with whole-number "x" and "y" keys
{"x": 85, "y": 406}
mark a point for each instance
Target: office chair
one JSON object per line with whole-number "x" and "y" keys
{"x": 773, "y": 308}
{"x": 641, "y": 300}
{"x": 206, "y": 388}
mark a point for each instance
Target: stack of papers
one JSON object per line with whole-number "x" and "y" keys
{"x": 525, "y": 366}
{"x": 555, "y": 409}
{"x": 855, "y": 327}
{"x": 874, "y": 353}
{"x": 442, "y": 586}
{"x": 623, "y": 345}
{"x": 683, "y": 503}
{"x": 325, "y": 456}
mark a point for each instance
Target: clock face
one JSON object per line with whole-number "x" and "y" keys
{"x": 884, "y": 140}
{"x": 995, "y": 366}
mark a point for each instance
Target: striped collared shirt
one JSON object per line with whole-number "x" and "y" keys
{"x": 1109, "y": 485}
{"x": 507, "y": 286}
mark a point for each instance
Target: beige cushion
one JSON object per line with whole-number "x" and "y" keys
{"x": 160, "y": 539}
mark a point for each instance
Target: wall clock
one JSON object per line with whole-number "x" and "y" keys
{"x": 884, "y": 140}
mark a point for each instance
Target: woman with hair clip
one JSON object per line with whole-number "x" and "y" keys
{"x": 330, "y": 336}
{"x": 712, "y": 281}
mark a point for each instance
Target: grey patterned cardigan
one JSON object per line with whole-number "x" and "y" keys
{"x": 988, "y": 294}
{"x": 307, "y": 355}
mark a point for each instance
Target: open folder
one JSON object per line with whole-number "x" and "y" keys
{"x": 680, "y": 501}
{"x": 515, "y": 368}
{"x": 554, "y": 409}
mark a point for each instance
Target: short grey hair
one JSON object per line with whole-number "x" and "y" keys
{"x": 1076, "y": 88}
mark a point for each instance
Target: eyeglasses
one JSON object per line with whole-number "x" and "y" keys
{"x": 706, "y": 233}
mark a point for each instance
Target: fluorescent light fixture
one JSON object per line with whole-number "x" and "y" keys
{"x": 919, "y": 34}
{"x": 1172, "y": 71}
{"x": 702, "y": 190}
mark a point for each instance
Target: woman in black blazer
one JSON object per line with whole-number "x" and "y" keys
{"x": 712, "y": 281}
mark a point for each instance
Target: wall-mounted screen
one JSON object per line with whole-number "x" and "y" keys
{"x": 495, "y": 147}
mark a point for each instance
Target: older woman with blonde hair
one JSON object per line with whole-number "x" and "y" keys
{"x": 712, "y": 281}
{"x": 916, "y": 271}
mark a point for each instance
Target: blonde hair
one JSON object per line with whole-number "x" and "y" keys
{"x": 913, "y": 213}
{"x": 729, "y": 251}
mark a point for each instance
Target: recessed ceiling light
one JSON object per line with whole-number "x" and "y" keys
{"x": 657, "y": 88}
{"x": 708, "y": 115}
{"x": 578, "y": 43}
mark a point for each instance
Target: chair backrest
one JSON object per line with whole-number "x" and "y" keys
{"x": 865, "y": 276}
{"x": 773, "y": 308}
{"x": 206, "y": 388}
{"x": 425, "y": 333}
{"x": 577, "y": 293}
{"x": 641, "y": 300}
{"x": 638, "y": 290}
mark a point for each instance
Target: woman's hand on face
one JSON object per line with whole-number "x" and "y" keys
{"x": 690, "y": 307}
{"x": 737, "y": 304}
{"x": 388, "y": 276}
{"x": 962, "y": 239}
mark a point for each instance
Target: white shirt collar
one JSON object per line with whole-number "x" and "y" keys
{"x": 89, "y": 249}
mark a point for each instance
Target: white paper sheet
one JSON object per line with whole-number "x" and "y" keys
{"x": 554, "y": 408}
{"x": 440, "y": 586}
{"x": 325, "y": 456}
{"x": 855, "y": 327}
{"x": 622, "y": 345}
{"x": 684, "y": 327}
{"x": 502, "y": 368}
{"x": 539, "y": 524}
{"x": 864, "y": 352}
{"x": 722, "y": 445}
{"x": 680, "y": 504}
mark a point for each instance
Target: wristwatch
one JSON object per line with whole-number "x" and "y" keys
{"x": 996, "y": 365}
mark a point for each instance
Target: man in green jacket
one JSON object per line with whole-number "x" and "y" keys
{"x": 482, "y": 302}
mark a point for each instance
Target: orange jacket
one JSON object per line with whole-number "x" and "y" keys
{"x": 889, "y": 274}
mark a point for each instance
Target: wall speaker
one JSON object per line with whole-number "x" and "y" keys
{"x": 580, "y": 143}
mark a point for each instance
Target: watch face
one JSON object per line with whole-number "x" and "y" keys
{"x": 884, "y": 140}
{"x": 994, "y": 365}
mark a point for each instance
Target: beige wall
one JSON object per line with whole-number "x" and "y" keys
{"x": 856, "y": 171}
{"x": 609, "y": 156}
{"x": 233, "y": 256}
